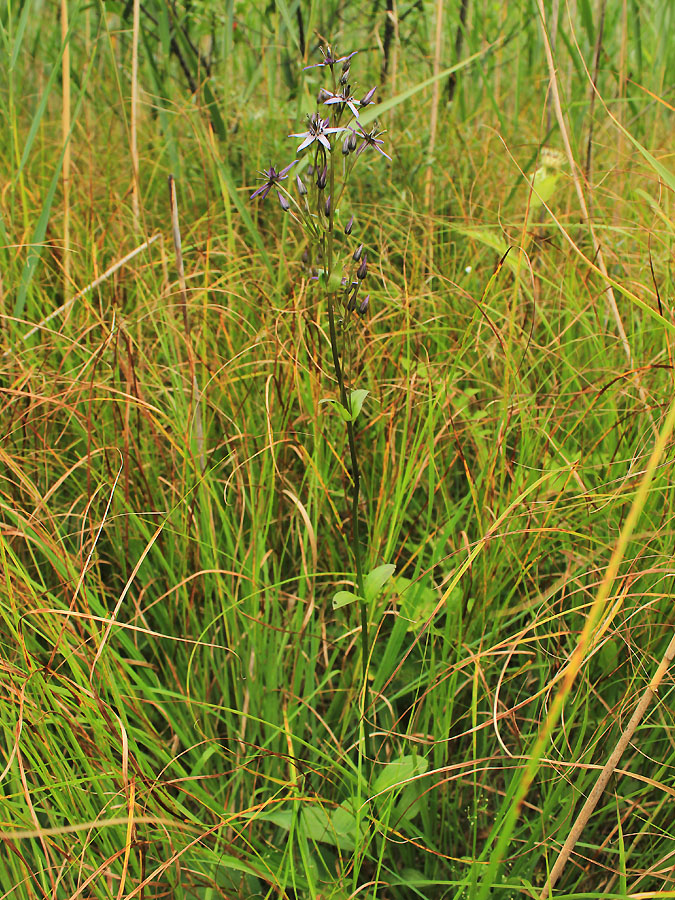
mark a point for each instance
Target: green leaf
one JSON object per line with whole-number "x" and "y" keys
{"x": 344, "y": 598}
{"x": 409, "y": 803}
{"x": 340, "y": 408}
{"x": 376, "y": 580}
{"x": 356, "y": 399}
{"x": 337, "y": 827}
{"x": 399, "y": 771}
{"x": 418, "y": 601}
{"x": 544, "y": 183}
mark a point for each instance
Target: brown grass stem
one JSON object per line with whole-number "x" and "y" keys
{"x": 608, "y": 769}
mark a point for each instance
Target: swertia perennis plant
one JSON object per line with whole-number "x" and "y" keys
{"x": 336, "y": 136}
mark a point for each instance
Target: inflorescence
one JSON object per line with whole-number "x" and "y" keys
{"x": 335, "y": 123}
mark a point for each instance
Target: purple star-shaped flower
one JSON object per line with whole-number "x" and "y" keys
{"x": 343, "y": 97}
{"x": 317, "y": 130}
{"x": 272, "y": 178}
{"x": 371, "y": 139}
{"x": 330, "y": 59}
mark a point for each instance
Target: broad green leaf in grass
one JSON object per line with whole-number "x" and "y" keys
{"x": 344, "y": 598}
{"x": 356, "y": 400}
{"x": 409, "y": 803}
{"x": 340, "y": 408}
{"x": 418, "y": 601}
{"x": 376, "y": 580}
{"x": 397, "y": 772}
{"x": 544, "y": 184}
{"x": 336, "y": 827}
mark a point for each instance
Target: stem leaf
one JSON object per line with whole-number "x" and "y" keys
{"x": 356, "y": 399}
{"x": 344, "y": 598}
{"x": 376, "y": 580}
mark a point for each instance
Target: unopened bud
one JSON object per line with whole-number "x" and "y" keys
{"x": 327, "y": 206}
{"x": 362, "y": 270}
{"x": 356, "y": 256}
{"x": 368, "y": 98}
{"x": 352, "y": 142}
{"x": 302, "y": 188}
{"x": 322, "y": 178}
{"x": 345, "y": 146}
{"x": 344, "y": 78}
{"x": 363, "y": 306}
{"x": 348, "y": 226}
{"x": 283, "y": 202}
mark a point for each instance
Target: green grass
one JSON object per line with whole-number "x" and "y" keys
{"x": 180, "y": 701}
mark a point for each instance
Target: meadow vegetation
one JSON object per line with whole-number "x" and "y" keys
{"x": 184, "y": 712}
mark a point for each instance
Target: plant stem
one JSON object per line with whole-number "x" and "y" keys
{"x": 356, "y": 472}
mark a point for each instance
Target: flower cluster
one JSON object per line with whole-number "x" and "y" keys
{"x": 335, "y": 122}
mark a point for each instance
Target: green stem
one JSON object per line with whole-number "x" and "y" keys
{"x": 356, "y": 472}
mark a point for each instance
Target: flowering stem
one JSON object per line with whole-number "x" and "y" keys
{"x": 355, "y": 470}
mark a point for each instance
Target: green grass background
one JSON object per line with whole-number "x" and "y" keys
{"x": 179, "y": 701}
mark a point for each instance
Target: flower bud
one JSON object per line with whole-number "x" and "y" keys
{"x": 368, "y": 98}
{"x": 352, "y": 142}
{"x": 345, "y": 145}
{"x": 362, "y": 270}
{"x": 302, "y": 188}
{"x": 344, "y": 78}
{"x": 363, "y": 306}
{"x": 322, "y": 178}
{"x": 356, "y": 256}
{"x": 283, "y": 202}
{"x": 327, "y": 206}
{"x": 348, "y": 226}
